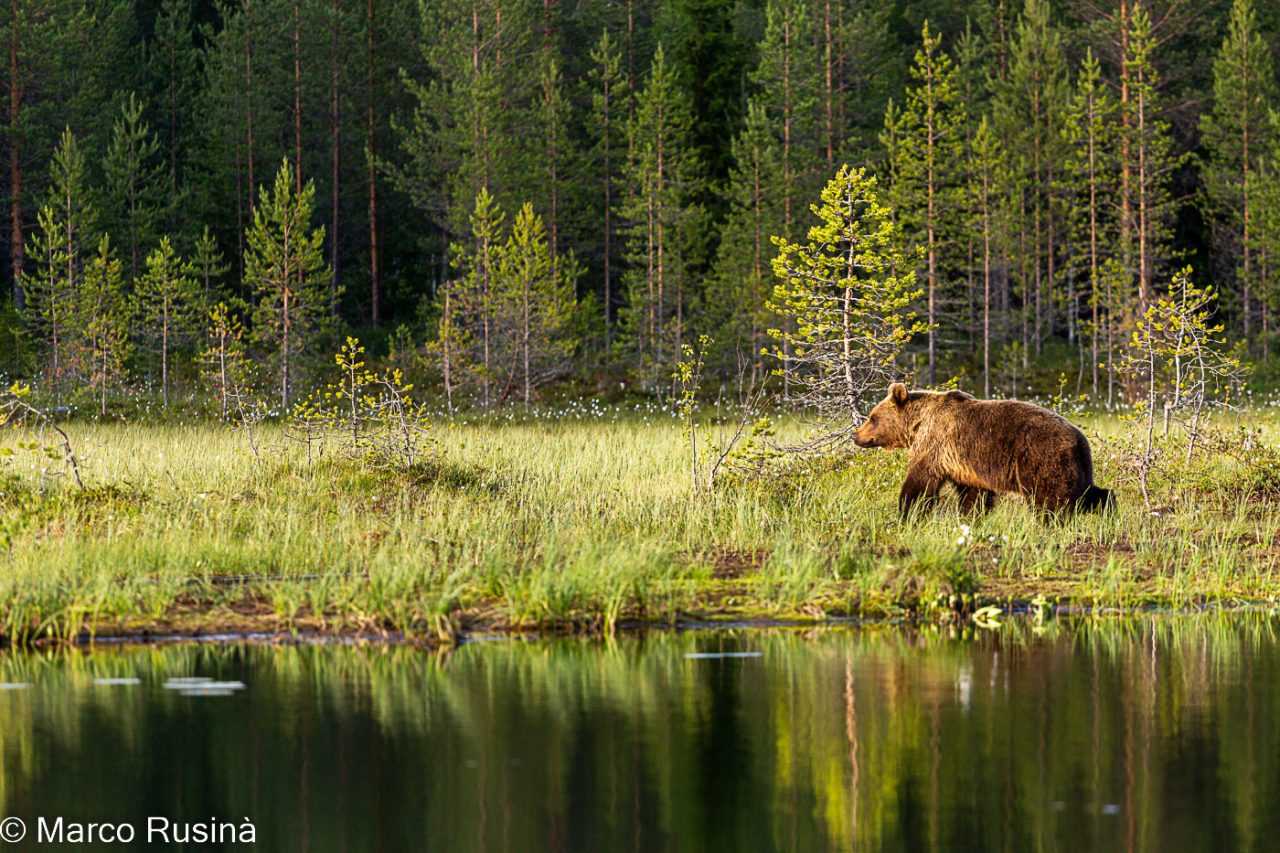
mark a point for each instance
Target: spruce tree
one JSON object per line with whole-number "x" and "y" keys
{"x": 285, "y": 269}
{"x": 539, "y": 294}
{"x": 985, "y": 181}
{"x": 736, "y": 306}
{"x": 209, "y": 267}
{"x": 1088, "y": 188}
{"x": 465, "y": 130}
{"x": 661, "y": 179}
{"x": 135, "y": 182}
{"x": 1029, "y": 105}
{"x": 173, "y": 61}
{"x": 475, "y": 300}
{"x": 1237, "y": 134}
{"x": 67, "y": 221}
{"x": 556, "y": 155}
{"x": 104, "y": 336}
{"x": 786, "y": 81}
{"x": 1151, "y": 161}
{"x": 169, "y": 300}
{"x": 609, "y": 97}
{"x": 927, "y": 170}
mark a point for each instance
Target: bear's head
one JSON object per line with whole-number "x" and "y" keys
{"x": 887, "y": 426}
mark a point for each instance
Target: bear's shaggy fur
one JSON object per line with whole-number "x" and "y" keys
{"x": 984, "y": 448}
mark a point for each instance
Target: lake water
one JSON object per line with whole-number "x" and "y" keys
{"x": 1146, "y": 734}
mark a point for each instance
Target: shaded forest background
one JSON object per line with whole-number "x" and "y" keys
{"x": 506, "y": 195}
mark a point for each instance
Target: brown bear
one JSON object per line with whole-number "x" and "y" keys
{"x": 984, "y": 448}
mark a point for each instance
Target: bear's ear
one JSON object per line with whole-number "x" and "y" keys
{"x": 898, "y": 393}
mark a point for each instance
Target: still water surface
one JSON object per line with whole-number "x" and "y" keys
{"x": 1153, "y": 734}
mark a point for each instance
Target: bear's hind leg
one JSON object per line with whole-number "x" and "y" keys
{"x": 1052, "y": 504}
{"x": 973, "y": 499}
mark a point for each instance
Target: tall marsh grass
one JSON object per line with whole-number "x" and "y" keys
{"x": 584, "y": 522}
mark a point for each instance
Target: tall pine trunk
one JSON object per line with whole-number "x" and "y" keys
{"x": 335, "y": 120}
{"x": 371, "y": 166}
{"x": 17, "y": 242}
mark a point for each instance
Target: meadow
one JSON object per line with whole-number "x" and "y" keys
{"x": 585, "y": 519}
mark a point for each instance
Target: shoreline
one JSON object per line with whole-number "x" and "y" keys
{"x": 481, "y": 629}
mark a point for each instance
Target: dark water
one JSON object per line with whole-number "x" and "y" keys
{"x": 1156, "y": 734}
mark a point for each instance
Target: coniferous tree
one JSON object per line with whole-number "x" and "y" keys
{"x": 985, "y": 180}
{"x": 737, "y": 304}
{"x": 63, "y": 62}
{"x": 135, "y": 182}
{"x": 464, "y": 132}
{"x": 476, "y": 298}
{"x": 609, "y": 96}
{"x": 174, "y": 65}
{"x": 67, "y": 221}
{"x": 1088, "y": 189}
{"x": 848, "y": 291}
{"x": 1030, "y": 103}
{"x": 786, "y": 80}
{"x": 50, "y": 296}
{"x": 169, "y": 299}
{"x": 786, "y": 87}
{"x": 208, "y": 266}
{"x": 104, "y": 336}
{"x": 452, "y": 343}
{"x": 285, "y": 269}
{"x": 1152, "y": 161}
{"x": 1237, "y": 134}
{"x": 660, "y": 180}
{"x": 223, "y": 359}
{"x": 556, "y": 153}
{"x": 538, "y": 292}
{"x": 971, "y": 53}
{"x": 927, "y": 178}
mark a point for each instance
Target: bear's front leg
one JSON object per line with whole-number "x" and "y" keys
{"x": 920, "y": 488}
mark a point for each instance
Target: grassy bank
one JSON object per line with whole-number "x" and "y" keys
{"x": 573, "y": 522}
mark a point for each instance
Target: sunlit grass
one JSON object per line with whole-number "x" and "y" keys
{"x": 576, "y": 521}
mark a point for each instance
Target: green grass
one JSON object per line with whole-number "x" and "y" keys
{"x": 571, "y": 524}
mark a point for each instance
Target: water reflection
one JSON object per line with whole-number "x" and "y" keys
{"x": 1151, "y": 734}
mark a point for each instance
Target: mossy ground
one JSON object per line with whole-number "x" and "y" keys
{"x": 578, "y": 523}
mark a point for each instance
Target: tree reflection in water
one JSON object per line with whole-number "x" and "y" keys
{"x": 1121, "y": 734}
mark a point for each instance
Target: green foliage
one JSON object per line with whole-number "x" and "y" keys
{"x": 222, "y": 360}
{"x": 57, "y": 253}
{"x": 1237, "y": 133}
{"x": 373, "y": 413}
{"x": 1029, "y": 107}
{"x": 1177, "y": 355}
{"x": 661, "y": 180}
{"x": 1148, "y": 136}
{"x": 737, "y": 300}
{"x": 135, "y": 183}
{"x": 661, "y": 146}
{"x": 1087, "y": 183}
{"x": 507, "y": 321}
{"x": 925, "y": 165}
{"x": 169, "y": 302}
{"x": 286, "y": 270}
{"x": 208, "y": 266}
{"x": 104, "y": 346}
{"x": 847, "y": 295}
